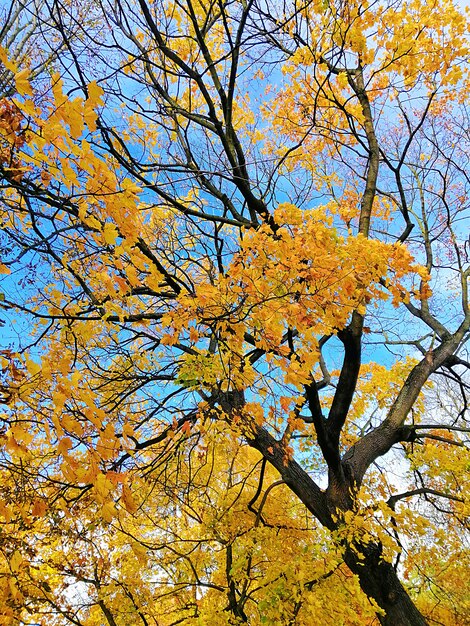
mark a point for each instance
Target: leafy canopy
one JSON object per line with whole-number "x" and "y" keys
{"x": 235, "y": 294}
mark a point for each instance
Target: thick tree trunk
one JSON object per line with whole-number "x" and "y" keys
{"x": 377, "y": 578}
{"x": 379, "y": 581}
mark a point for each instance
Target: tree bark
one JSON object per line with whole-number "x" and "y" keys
{"x": 377, "y": 578}
{"x": 379, "y": 581}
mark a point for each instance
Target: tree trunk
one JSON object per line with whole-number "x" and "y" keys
{"x": 379, "y": 581}
{"x": 377, "y": 578}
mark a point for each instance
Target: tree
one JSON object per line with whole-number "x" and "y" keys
{"x": 239, "y": 230}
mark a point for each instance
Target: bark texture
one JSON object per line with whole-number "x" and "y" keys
{"x": 379, "y": 580}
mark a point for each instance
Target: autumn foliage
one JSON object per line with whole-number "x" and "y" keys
{"x": 234, "y": 264}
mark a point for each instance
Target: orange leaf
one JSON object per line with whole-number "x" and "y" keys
{"x": 64, "y": 445}
{"x": 39, "y": 508}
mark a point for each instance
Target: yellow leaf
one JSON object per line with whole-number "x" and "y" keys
{"x": 22, "y": 434}
{"x": 22, "y": 83}
{"x": 64, "y": 445}
{"x": 110, "y": 233}
{"x": 68, "y": 173}
{"x": 74, "y": 119}
{"x": 102, "y": 486}
{"x": 139, "y": 551}
{"x": 71, "y": 424}
{"x": 108, "y": 511}
{"x": 89, "y": 116}
{"x": 5, "y": 511}
{"x": 33, "y": 367}
{"x": 95, "y": 93}
{"x": 129, "y": 186}
{"x": 128, "y": 500}
{"x": 27, "y": 106}
{"x": 9, "y": 65}
{"x": 16, "y": 561}
{"x": 127, "y": 430}
{"x": 15, "y": 592}
{"x": 59, "y": 97}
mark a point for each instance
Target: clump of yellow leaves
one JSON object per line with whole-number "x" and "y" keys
{"x": 302, "y": 275}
